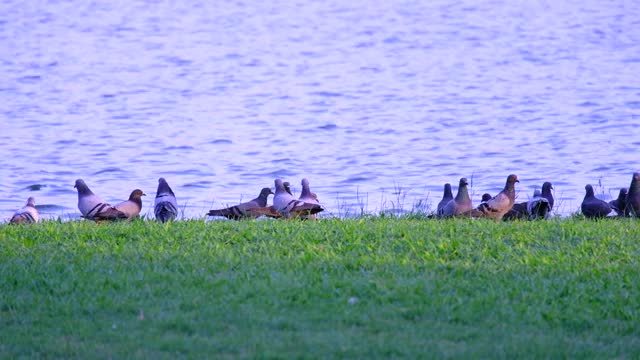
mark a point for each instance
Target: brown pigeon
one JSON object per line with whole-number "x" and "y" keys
{"x": 28, "y": 214}
{"x": 133, "y": 206}
{"x": 497, "y": 206}
{"x": 248, "y": 210}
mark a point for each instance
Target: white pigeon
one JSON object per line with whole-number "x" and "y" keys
{"x": 165, "y": 206}
{"x": 28, "y": 214}
{"x": 93, "y": 207}
{"x": 289, "y": 207}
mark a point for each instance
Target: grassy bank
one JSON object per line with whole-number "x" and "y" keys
{"x": 364, "y": 288}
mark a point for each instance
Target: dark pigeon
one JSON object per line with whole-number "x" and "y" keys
{"x": 461, "y": 204}
{"x": 165, "y": 207}
{"x": 518, "y": 211}
{"x": 446, "y": 197}
{"x": 546, "y": 193}
{"x": 633, "y": 197}
{"x": 486, "y": 197}
{"x": 593, "y": 207}
{"x": 620, "y": 204}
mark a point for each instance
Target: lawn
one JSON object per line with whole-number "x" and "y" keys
{"x": 371, "y": 287}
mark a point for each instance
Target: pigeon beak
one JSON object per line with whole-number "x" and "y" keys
{"x": 143, "y": 194}
{"x": 517, "y": 180}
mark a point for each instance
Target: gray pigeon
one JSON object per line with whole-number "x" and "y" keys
{"x": 446, "y": 197}
{"x": 165, "y": 206}
{"x": 633, "y": 197}
{"x": 620, "y": 204}
{"x": 538, "y": 207}
{"x": 546, "y": 193}
{"x": 593, "y": 207}
{"x": 28, "y": 214}
{"x": 133, "y": 206}
{"x": 460, "y": 204}
{"x": 307, "y": 196}
{"x": 289, "y": 207}
{"x": 93, "y": 208}
{"x": 499, "y": 205}
{"x": 248, "y": 210}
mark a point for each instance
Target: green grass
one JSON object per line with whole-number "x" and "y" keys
{"x": 363, "y": 288}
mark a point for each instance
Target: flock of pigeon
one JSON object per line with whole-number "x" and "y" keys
{"x": 499, "y": 207}
{"x": 92, "y": 207}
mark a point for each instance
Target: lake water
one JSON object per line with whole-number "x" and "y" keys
{"x": 377, "y": 103}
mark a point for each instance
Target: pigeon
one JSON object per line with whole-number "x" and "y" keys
{"x": 538, "y": 207}
{"x": 633, "y": 197}
{"x": 499, "y": 205}
{"x": 546, "y": 193}
{"x": 165, "y": 206}
{"x": 620, "y": 204}
{"x": 518, "y": 211}
{"x": 593, "y": 207}
{"x": 287, "y": 187}
{"x": 133, "y": 206}
{"x": 461, "y": 204}
{"x": 92, "y": 207}
{"x": 289, "y": 207}
{"x": 250, "y": 209}
{"x": 446, "y": 197}
{"x": 307, "y": 196}
{"x": 28, "y": 214}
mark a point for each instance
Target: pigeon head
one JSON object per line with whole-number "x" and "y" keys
{"x": 589, "y": 190}
{"x": 31, "y": 201}
{"x": 546, "y": 187}
{"x": 83, "y": 189}
{"x": 635, "y": 180}
{"x": 306, "y": 191}
{"x": 163, "y": 188}
{"x": 463, "y": 182}
{"x": 265, "y": 192}
{"x": 448, "y": 194}
{"x": 279, "y": 186}
{"x": 486, "y": 197}
{"x": 287, "y": 187}
{"x": 623, "y": 193}
{"x": 512, "y": 179}
{"x": 537, "y": 193}
{"x": 136, "y": 194}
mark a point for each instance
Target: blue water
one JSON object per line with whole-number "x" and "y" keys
{"x": 377, "y": 103}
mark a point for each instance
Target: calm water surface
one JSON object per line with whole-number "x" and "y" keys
{"x": 377, "y": 103}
